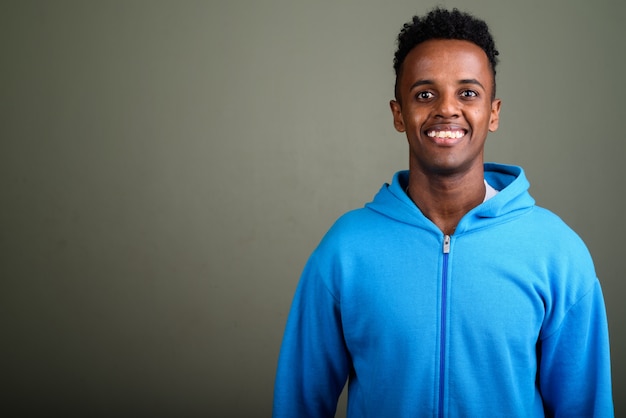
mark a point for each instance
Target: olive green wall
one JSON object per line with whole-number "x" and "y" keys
{"x": 166, "y": 167}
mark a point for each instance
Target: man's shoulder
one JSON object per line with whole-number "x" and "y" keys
{"x": 557, "y": 240}
{"x": 355, "y": 222}
{"x": 362, "y": 226}
{"x": 552, "y": 224}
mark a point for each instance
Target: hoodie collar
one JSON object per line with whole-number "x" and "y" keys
{"x": 512, "y": 200}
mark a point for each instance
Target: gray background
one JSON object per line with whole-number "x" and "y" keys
{"x": 167, "y": 167}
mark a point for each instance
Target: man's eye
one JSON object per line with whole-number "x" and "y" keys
{"x": 425, "y": 95}
{"x": 469, "y": 93}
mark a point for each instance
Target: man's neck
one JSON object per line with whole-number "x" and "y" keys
{"x": 446, "y": 199}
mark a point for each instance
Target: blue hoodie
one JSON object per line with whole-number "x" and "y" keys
{"x": 505, "y": 318}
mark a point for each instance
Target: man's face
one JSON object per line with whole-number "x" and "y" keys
{"x": 444, "y": 106}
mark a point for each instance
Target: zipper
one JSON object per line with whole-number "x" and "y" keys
{"x": 444, "y": 298}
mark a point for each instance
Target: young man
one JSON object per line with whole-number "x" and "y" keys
{"x": 451, "y": 294}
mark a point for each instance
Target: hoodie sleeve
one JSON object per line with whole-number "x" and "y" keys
{"x": 575, "y": 370}
{"x": 314, "y": 363}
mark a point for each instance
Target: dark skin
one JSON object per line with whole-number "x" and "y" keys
{"x": 445, "y": 106}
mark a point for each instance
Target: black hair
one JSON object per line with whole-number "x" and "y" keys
{"x": 444, "y": 24}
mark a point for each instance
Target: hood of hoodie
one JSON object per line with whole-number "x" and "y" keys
{"x": 512, "y": 200}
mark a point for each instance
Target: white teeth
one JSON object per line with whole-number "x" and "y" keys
{"x": 446, "y": 134}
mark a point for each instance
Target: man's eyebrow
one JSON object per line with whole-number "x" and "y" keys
{"x": 471, "y": 81}
{"x": 430, "y": 82}
{"x": 421, "y": 83}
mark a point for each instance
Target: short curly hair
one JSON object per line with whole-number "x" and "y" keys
{"x": 445, "y": 24}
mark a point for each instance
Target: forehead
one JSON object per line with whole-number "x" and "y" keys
{"x": 446, "y": 59}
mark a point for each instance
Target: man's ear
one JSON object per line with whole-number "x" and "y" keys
{"x": 494, "y": 119}
{"x": 396, "y": 111}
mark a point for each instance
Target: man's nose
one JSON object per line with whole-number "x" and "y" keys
{"x": 447, "y": 106}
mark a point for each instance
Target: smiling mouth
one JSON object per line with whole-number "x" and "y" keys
{"x": 454, "y": 134}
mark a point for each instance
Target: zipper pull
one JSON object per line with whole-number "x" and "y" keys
{"x": 446, "y": 244}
